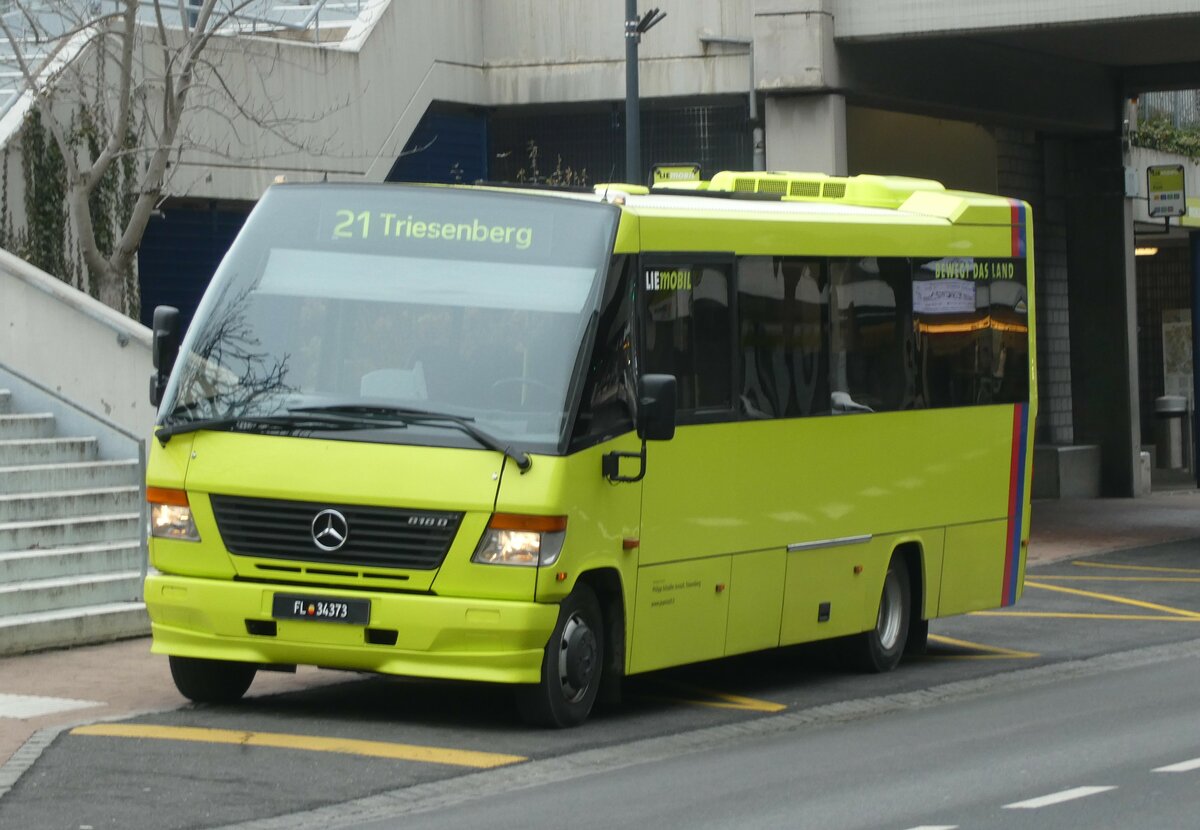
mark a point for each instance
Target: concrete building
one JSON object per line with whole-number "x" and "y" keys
{"x": 1026, "y": 99}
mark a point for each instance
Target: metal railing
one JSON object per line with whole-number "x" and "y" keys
{"x": 1181, "y": 107}
{"x": 37, "y": 25}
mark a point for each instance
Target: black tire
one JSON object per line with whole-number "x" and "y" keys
{"x": 880, "y": 649}
{"x": 918, "y": 637}
{"x": 211, "y": 681}
{"x": 571, "y": 666}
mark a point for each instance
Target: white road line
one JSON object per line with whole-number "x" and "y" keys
{"x": 1057, "y": 798}
{"x": 1182, "y": 766}
{"x": 935, "y": 827}
{"x": 29, "y": 706}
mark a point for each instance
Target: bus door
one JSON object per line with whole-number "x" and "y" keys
{"x": 690, "y": 517}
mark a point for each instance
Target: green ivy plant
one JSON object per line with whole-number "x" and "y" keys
{"x": 1161, "y": 134}
{"x": 45, "y": 239}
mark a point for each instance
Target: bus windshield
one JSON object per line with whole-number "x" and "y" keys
{"x": 458, "y": 305}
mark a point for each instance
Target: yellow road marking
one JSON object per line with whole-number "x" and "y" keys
{"x": 719, "y": 700}
{"x": 1137, "y": 603}
{"x": 311, "y": 743}
{"x": 991, "y": 652}
{"x": 1067, "y": 615}
{"x": 724, "y": 700}
{"x": 1080, "y": 563}
{"x": 1179, "y": 579}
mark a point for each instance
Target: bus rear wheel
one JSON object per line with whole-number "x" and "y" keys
{"x": 211, "y": 681}
{"x": 571, "y": 665}
{"x": 880, "y": 649}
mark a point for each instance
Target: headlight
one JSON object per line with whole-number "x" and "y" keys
{"x": 512, "y": 539}
{"x": 170, "y": 515}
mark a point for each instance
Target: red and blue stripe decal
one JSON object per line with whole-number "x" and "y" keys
{"x": 1016, "y": 503}
{"x": 1017, "y": 214}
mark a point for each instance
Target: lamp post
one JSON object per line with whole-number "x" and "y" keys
{"x": 634, "y": 27}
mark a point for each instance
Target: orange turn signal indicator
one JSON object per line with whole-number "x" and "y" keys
{"x": 530, "y": 524}
{"x": 166, "y": 495}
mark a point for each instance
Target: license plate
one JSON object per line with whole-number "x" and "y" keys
{"x": 321, "y": 609}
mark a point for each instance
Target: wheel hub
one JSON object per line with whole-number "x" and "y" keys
{"x": 890, "y": 612}
{"x": 577, "y": 660}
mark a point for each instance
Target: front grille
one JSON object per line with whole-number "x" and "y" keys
{"x": 384, "y": 537}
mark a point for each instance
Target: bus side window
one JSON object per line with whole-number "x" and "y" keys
{"x": 872, "y": 363}
{"x": 688, "y": 333}
{"x": 783, "y": 310}
{"x": 609, "y": 391}
{"x": 973, "y": 331}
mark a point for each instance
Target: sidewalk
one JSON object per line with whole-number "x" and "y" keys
{"x": 1071, "y": 528}
{"x": 58, "y": 688}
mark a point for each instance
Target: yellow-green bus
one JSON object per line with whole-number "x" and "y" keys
{"x": 552, "y": 439}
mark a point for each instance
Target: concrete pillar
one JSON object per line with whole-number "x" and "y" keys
{"x": 806, "y": 133}
{"x": 1103, "y": 301}
{"x": 1056, "y": 421}
{"x": 1194, "y": 241}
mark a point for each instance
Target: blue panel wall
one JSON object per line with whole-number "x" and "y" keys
{"x": 180, "y": 251}
{"x": 445, "y": 148}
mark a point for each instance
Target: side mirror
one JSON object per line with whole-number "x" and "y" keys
{"x": 164, "y": 350}
{"x": 656, "y": 408}
{"x": 655, "y": 422}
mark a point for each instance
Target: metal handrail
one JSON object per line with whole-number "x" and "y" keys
{"x": 1180, "y": 107}
{"x": 311, "y": 20}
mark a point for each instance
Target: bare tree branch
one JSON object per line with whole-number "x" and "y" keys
{"x": 153, "y": 80}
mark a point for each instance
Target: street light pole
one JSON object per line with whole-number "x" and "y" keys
{"x": 633, "y": 105}
{"x": 634, "y": 27}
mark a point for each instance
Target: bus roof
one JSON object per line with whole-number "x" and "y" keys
{"x": 816, "y": 194}
{"x": 807, "y": 196}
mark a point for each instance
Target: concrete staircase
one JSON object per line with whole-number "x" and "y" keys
{"x": 70, "y": 538}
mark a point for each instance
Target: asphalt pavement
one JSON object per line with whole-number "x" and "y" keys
{"x": 44, "y": 693}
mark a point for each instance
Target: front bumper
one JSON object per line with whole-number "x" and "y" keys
{"x": 444, "y": 637}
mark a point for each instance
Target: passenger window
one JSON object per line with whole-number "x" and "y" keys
{"x": 972, "y": 319}
{"x": 872, "y": 353}
{"x": 688, "y": 332}
{"x": 783, "y": 310}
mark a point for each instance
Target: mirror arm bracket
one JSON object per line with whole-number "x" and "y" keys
{"x": 611, "y": 465}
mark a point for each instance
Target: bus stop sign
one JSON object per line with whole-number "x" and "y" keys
{"x": 1165, "y": 186}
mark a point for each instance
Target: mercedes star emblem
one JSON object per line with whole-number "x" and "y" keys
{"x": 330, "y": 530}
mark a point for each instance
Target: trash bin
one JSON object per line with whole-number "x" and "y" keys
{"x": 1169, "y": 414}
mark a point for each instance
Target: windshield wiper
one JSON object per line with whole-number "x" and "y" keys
{"x": 294, "y": 422}
{"x": 425, "y": 417}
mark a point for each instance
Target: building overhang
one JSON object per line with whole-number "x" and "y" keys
{"x": 1061, "y": 68}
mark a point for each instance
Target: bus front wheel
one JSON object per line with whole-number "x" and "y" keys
{"x": 211, "y": 681}
{"x": 571, "y": 665}
{"x": 880, "y": 649}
